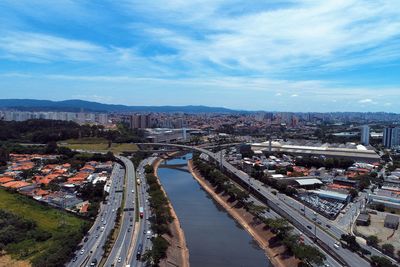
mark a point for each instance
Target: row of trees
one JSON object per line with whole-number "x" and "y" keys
{"x": 44, "y": 131}
{"x": 220, "y": 181}
{"x": 280, "y": 227}
{"x": 160, "y": 219}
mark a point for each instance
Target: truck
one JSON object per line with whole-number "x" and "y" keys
{"x": 141, "y": 212}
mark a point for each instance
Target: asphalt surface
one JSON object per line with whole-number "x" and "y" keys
{"x": 119, "y": 253}
{"x": 92, "y": 248}
{"x": 143, "y": 239}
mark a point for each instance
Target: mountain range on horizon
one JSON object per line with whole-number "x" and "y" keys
{"x": 76, "y": 105}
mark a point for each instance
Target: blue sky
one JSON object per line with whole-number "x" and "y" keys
{"x": 303, "y": 55}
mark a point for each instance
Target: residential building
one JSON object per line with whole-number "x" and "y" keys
{"x": 365, "y": 135}
{"x": 391, "y": 137}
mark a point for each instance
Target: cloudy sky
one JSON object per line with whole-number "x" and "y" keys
{"x": 300, "y": 55}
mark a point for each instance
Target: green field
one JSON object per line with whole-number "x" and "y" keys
{"x": 97, "y": 144}
{"x": 61, "y": 225}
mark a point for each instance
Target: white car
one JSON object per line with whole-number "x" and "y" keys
{"x": 82, "y": 251}
{"x": 119, "y": 259}
{"x": 336, "y": 245}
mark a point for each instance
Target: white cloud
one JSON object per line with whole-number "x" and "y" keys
{"x": 366, "y": 101}
{"x": 43, "y": 48}
{"x": 308, "y": 33}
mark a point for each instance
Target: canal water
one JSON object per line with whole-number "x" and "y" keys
{"x": 213, "y": 237}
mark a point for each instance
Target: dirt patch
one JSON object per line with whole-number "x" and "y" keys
{"x": 385, "y": 235}
{"x": 276, "y": 252}
{"x": 7, "y": 261}
{"x": 178, "y": 253}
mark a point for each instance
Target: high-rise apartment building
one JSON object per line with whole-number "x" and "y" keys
{"x": 140, "y": 121}
{"x": 365, "y": 135}
{"x": 391, "y": 137}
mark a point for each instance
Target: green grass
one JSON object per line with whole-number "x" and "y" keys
{"x": 97, "y": 144}
{"x": 46, "y": 218}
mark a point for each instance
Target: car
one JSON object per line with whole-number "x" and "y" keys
{"x": 148, "y": 235}
{"x": 86, "y": 239}
{"x": 82, "y": 251}
{"x": 336, "y": 245}
{"x": 328, "y": 226}
{"x": 129, "y": 229}
{"x": 104, "y": 223}
{"x": 319, "y": 222}
{"x": 97, "y": 236}
{"x": 75, "y": 259}
{"x": 119, "y": 259}
{"x": 309, "y": 227}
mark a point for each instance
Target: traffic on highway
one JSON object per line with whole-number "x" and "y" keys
{"x": 91, "y": 249}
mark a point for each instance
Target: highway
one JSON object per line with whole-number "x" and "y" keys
{"x": 119, "y": 253}
{"x": 92, "y": 245}
{"x": 143, "y": 241}
{"x": 282, "y": 208}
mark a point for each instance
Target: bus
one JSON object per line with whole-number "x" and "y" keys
{"x": 139, "y": 252}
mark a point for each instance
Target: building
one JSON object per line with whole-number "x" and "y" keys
{"x": 391, "y": 137}
{"x": 391, "y": 221}
{"x": 365, "y": 135}
{"x": 363, "y": 219}
{"x": 140, "y": 121}
{"x": 358, "y": 153}
{"x": 332, "y": 195}
{"x": 388, "y": 198}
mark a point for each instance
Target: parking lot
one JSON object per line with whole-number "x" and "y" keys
{"x": 327, "y": 207}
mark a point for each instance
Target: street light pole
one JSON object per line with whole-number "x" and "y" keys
{"x": 315, "y": 228}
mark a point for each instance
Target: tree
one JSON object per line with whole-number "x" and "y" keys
{"x": 372, "y": 241}
{"x": 149, "y": 169}
{"x": 381, "y": 262}
{"x": 353, "y": 193}
{"x": 380, "y": 207}
{"x": 309, "y": 254}
{"x": 388, "y": 249}
{"x": 351, "y": 242}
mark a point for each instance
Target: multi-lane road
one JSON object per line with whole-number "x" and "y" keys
{"x": 143, "y": 238}
{"x": 92, "y": 245}
{"x": 119, "y": 253}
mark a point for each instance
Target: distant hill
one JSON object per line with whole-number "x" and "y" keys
{"x": 78, "y": 105}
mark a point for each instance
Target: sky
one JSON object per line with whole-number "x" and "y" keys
{"x": 303, "y": 55}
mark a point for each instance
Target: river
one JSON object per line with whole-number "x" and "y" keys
{"x": 213, "y": 237}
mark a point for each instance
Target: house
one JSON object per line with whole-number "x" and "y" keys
{"x": 391, "y": 221}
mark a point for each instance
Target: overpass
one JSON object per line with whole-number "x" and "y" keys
{"x": 323, "y": 239}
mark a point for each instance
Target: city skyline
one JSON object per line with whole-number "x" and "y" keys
{"x": 280, "y": 56}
